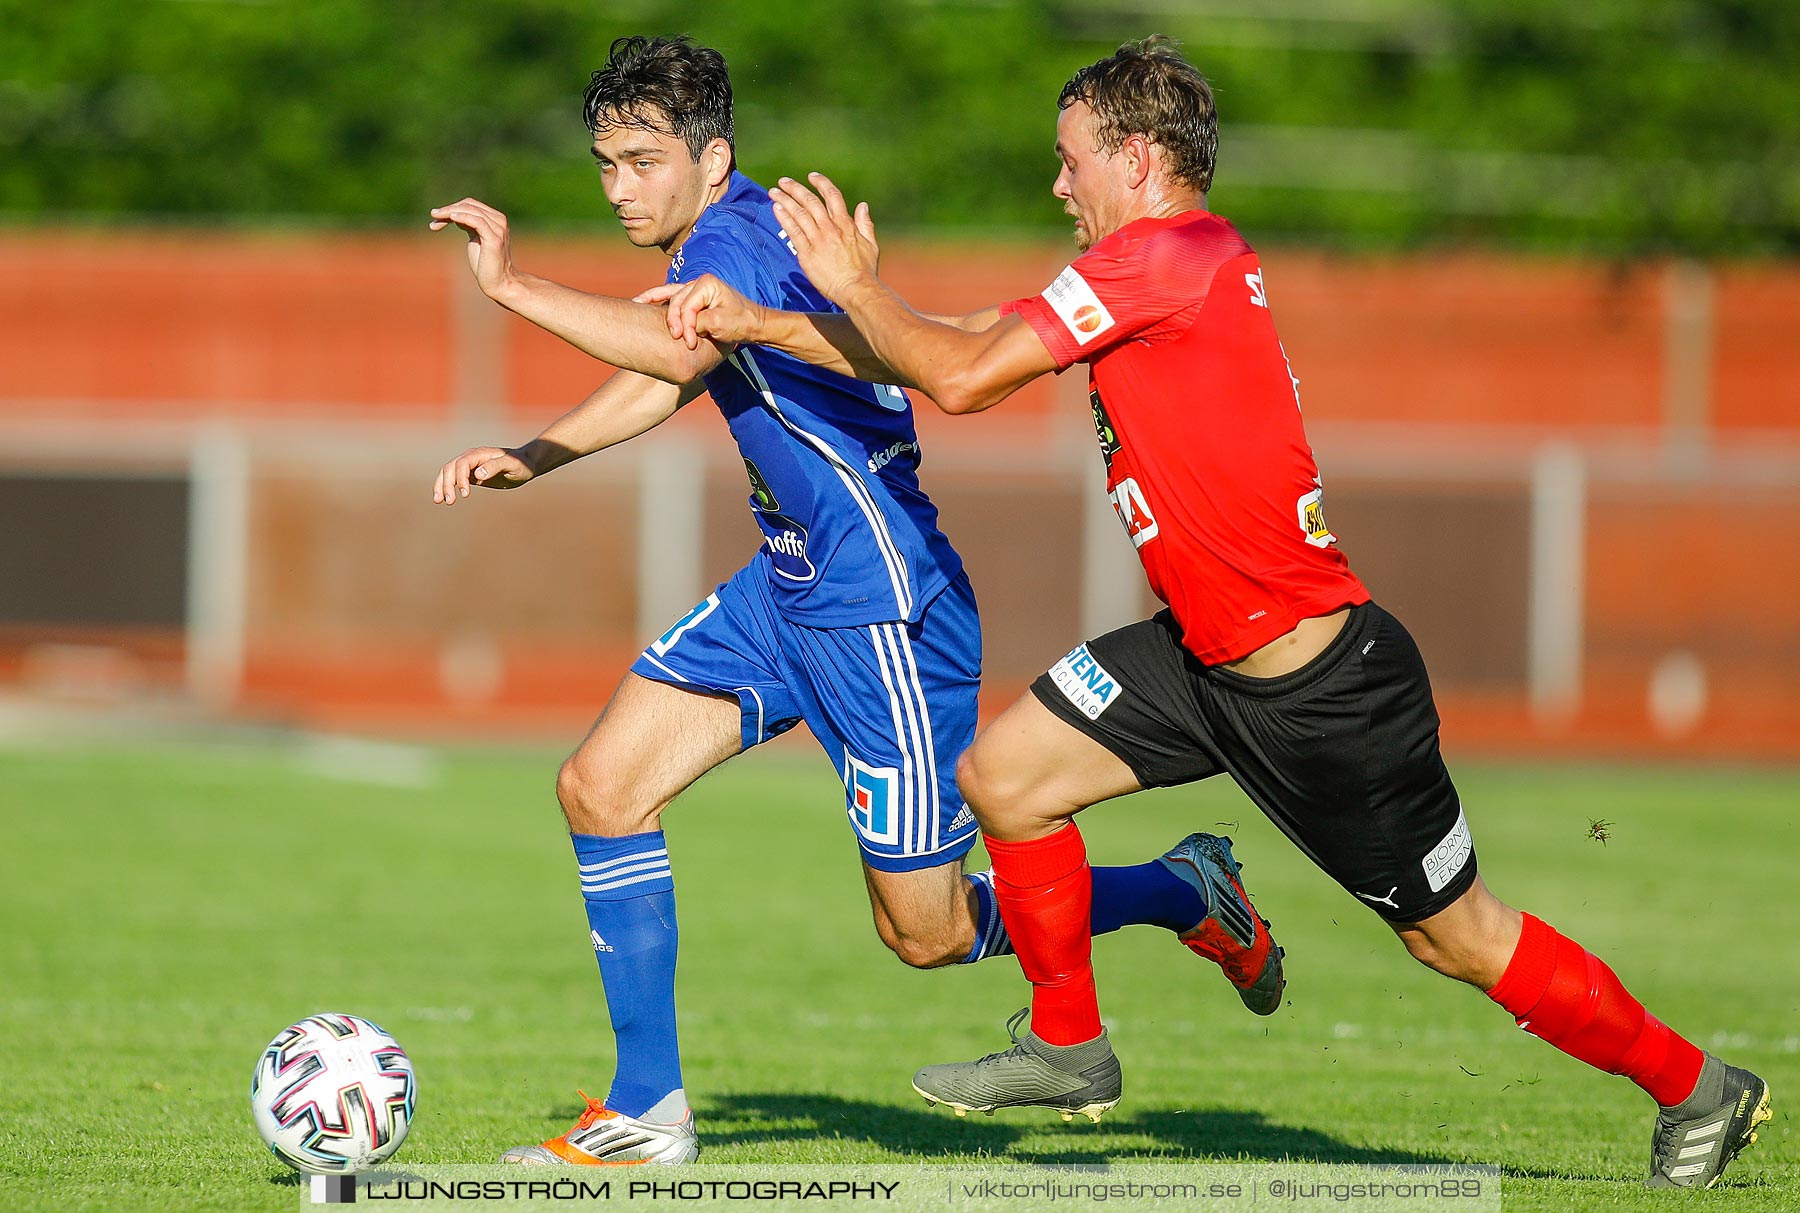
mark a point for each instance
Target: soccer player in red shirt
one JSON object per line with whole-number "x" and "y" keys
{"x": 1270, "y": 664}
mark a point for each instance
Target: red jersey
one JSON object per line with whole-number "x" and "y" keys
{"x": 1198, "y": 416}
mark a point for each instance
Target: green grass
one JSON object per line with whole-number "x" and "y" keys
{"x": 166, "y": 912}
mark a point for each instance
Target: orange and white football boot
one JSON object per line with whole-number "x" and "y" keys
{"x": 605, "y": 1138}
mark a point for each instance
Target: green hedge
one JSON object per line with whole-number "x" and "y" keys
{"x": 1617, "y": 126}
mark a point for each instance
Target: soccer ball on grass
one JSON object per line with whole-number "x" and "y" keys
{"x": 333, "y": 1095}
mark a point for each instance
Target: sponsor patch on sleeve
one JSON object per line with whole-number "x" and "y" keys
{"x": 1447, "y": 858}
{"x": 1085, "y": 683}
{"x": 1075, "y": 303}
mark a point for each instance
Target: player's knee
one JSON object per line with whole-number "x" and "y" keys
{"x": 595, "y": 802}
{"x": 926, "y": 951}
{"x": 926, "y": 941}
{"x": 1461, "y": 957}
{"x": 1473, "y": 941}
{"x": 1007, "y": 802}
{"x": 989, "y": 791}
{"x": 1427, "y": 952}
{"x": 918, "y": 953}
{"x": 968, "y": 777}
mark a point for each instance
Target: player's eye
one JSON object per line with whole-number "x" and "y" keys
{"x": 644, "y": 164}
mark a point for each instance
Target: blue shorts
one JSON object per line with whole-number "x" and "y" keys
{"x": 892, "y": 703}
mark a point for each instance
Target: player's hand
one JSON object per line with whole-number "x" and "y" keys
{"x": 490, "y": 242}
{"x": 707, "y": 308}
{"x": 837, "y": 249}
{"x": 481, "y": 467}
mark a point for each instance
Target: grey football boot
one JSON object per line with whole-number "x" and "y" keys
{"x": 1232, "y": 935}
{"x": 1071, "y": 1079}
{"x": 1695, "y": 1139}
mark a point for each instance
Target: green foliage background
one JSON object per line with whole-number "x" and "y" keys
{"x": 1616, "y": 126}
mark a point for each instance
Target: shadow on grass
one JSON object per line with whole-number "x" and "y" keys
{"x": 921, "y": 1135}
{"x": 1205, "y": 1134}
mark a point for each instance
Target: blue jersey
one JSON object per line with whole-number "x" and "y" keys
{"x": 848, "y": 536}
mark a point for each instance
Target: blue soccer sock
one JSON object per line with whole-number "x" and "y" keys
{"x": 630, "y": 895}
{"x": 990, "y": 933}
{"x": 1147, "y": 893}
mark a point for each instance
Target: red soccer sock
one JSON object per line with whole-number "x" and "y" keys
{"x": 1564, "y": 994}
{"x": 1045, "y": 892}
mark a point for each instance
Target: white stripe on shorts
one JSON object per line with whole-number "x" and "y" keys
{"x": 912, "y": 665}
{"x": 902, "y": 722}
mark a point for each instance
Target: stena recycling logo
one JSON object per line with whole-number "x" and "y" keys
{"x": 1084, "y": 682}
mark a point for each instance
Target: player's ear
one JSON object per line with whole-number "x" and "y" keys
{"x": 1137, "y": 153}
{"x": 717, "y": 158}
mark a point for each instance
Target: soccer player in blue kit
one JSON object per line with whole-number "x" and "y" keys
{"x": 855, "y": 616}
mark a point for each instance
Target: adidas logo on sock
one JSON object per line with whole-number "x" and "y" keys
{"x": 600, "y": 945}
{"x": 962, "y": 818}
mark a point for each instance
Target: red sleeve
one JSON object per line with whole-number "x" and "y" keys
{"x": 1124, "y": 287}
{"x": 1087, "y": 310}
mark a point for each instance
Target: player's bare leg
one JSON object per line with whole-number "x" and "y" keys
{"x": 945, "y": 916}
{"x": 1028, "y": 774}
{"x": 1471, "y": 940}
{"x": 1708, "y": 1111}
{"x": 652, "y": 741}
{"x": 927, "y": 917}
{"x": 1025, "y": 778}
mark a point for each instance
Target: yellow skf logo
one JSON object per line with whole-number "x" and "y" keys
{"x": 1311, "y": 512}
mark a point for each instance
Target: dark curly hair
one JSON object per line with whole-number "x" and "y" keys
{"x": 1146, "y": 88}
{"x": 667, "y": 85}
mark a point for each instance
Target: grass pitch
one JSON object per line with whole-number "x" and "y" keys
{"x": 166, "y": 912}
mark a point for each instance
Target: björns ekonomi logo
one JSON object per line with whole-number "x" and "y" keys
{"x": 873, "y": 793}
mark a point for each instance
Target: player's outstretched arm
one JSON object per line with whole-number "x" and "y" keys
{"x": 630, "y": 335}
{"x": 963, "y": 369}
{"x": 623, "y": 407}
{"x": 708, "y": 309}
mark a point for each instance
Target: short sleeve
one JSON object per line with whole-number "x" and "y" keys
{"x": 1096, "y": 303}
{"x": 1137, "y": 283}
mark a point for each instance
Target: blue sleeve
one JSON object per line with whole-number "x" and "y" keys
{"x": 728, "y": 257}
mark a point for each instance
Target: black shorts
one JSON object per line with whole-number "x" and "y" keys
{"x": 1341, "y": 754}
